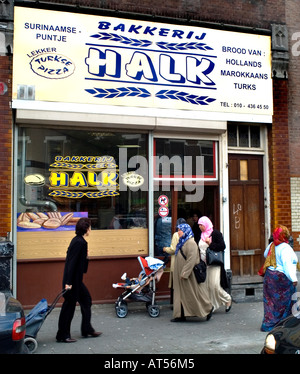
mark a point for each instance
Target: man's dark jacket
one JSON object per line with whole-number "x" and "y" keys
{"x": 76, "y": 263}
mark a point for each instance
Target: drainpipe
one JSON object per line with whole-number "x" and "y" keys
{"x": 44, "y": 204}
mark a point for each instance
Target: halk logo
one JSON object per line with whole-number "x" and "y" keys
{"x": 174, "y": 68}
{"x": 52, "y": 66}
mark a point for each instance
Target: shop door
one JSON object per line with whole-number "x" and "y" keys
{"x": 247, "y": 224}
{"x": 171, "y": 205}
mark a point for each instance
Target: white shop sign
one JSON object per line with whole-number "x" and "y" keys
{"x": 89, "y": 59}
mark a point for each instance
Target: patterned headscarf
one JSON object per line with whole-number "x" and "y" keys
{"x": 206, "y": 222}
{"x": 187, "y": 234}
{"x": 280, "y": 235}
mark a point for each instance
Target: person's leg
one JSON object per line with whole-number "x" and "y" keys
{"x": 85, "y": 302}
{"x": 65, "y": 318}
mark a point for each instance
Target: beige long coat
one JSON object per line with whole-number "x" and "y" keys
{"x": 192, "y": 296}
{"x": 171, "y": 251}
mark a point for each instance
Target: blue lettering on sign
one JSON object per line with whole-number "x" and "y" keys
{"x": 150, "y": 30}
{"x": 140, "y": 58}
{"x": 167, "y": 69}
{"x": 140, "y": 66}
{"x": 52, "y": 66}
{"x": 110, "y": 63}
{"x": 106, "y": 63}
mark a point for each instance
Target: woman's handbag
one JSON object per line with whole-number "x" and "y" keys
{"x": 199, "y": 269}
{"x": 214, "y": 258}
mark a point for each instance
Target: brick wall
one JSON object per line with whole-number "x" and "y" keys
{"x": 279, "y": 157}
{"x": 5, "y": 147}
{"x": 253, "y": 13}
{"x": 293, "y": 23}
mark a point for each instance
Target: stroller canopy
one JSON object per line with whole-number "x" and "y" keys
{"x": 150, "y": 264}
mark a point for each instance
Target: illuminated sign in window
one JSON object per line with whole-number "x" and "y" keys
{"x": 79, "y": 176}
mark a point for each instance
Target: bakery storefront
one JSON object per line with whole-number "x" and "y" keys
{"x": 125, "y": 122}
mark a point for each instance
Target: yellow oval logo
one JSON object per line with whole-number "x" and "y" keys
{"x": 132, "y": 179}
{"x": 52, "y": 66}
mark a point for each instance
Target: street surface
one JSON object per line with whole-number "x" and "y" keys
{"x": 236, "y": 332}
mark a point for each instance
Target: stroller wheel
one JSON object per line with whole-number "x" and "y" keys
{"x": 31, "y": 344}
{"x": 122, "y": 310}
{"x": 153, "y": 311}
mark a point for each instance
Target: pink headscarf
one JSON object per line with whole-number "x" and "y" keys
{"x": 206, "y": 222}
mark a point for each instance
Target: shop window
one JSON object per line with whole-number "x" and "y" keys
{"x": 243, "y": 136}
{"x": 177, "y": 158}
{"x": 54, "y": 147}
{"x": 78, "y": 172}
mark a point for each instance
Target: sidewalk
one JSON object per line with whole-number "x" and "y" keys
{"x": 236, "y": 332}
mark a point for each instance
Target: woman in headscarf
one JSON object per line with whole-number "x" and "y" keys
{"x": 280, "y": 279}
{"x": 216, "y": 276}
{"x": 171, "y": 251}
{"x": 190, "y": 298}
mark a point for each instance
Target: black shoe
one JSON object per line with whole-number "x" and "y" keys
{"x": 67, "y": 340}
{"x": 228, "y": 307}
{"x": 208, "y": 317}
{"x": 178, "y": 319}
{"x": 93, "y": 334}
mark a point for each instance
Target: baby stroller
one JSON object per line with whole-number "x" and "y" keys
{"x": 36, "y": 318}
{"x": 142, "y": 288}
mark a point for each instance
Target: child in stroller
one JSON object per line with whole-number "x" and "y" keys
{"x": 142, "y": 288}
